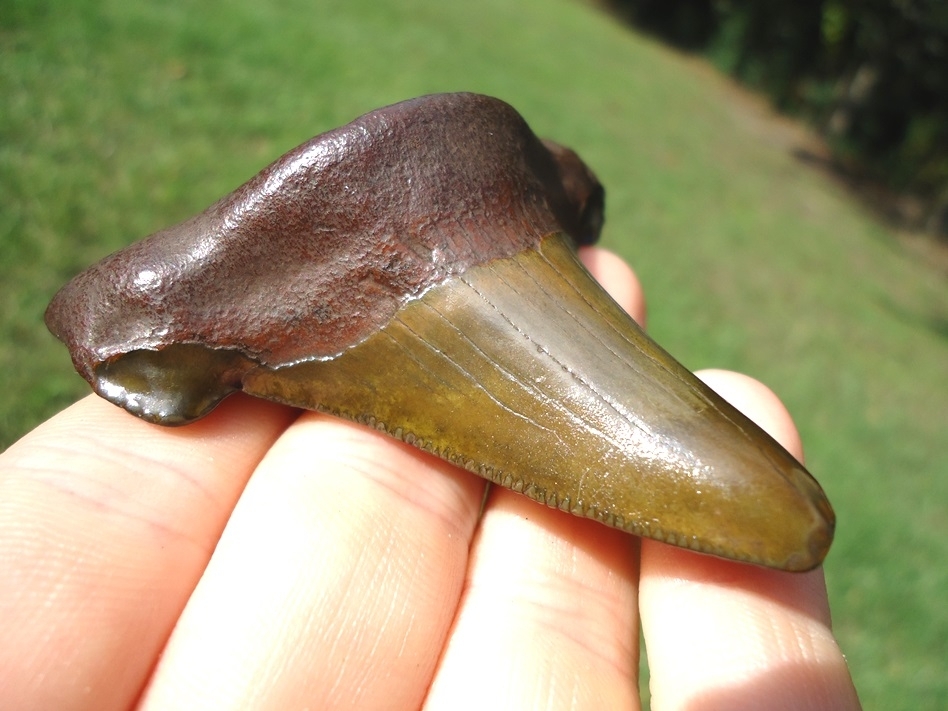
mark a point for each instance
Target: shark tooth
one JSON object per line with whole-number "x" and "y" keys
{"x": 415, "y": 271}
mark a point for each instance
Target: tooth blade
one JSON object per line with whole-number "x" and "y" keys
{"x": 524, "y": 371}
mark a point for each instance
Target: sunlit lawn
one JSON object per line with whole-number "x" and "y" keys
{"x": 119, "y": 118}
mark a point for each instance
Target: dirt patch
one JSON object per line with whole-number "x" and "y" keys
{"x": 904, "y": 215}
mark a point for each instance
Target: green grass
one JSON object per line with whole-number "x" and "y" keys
{"x": 120, "y": 118}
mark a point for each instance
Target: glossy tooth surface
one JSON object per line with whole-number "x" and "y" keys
{"x": 524, "y": 371}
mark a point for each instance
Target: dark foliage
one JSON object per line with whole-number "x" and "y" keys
{"x": 872, "y": 74}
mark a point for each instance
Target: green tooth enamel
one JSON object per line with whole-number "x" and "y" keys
{"x": 525, "y": 372}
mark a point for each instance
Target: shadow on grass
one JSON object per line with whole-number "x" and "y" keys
{"x": 899, "y": 211}
{"x": 932, "y": 321}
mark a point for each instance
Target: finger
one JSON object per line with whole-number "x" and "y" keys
{"x": 334, "y": 583}
{"x": 550, "y": 598}
{"x": 723, "y": 635}
{"x": 106, "y": 523}
{"x": 548, "y": 616}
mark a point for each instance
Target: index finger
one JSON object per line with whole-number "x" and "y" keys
{"x": 106, "y": 524}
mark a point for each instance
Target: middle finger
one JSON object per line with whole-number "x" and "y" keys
{"x": 334, "y": 583}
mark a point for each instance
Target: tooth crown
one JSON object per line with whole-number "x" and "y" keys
{"x": 523, "y": 370}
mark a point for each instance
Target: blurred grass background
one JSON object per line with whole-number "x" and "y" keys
{"x": 118, "y": 119}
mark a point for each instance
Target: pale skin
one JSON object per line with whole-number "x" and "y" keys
{"x": 267, "y": 559}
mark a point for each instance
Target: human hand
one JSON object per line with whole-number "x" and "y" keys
{"x": 263, "y": 558}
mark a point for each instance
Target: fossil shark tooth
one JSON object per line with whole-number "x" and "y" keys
{"x": 415, "y": 270}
